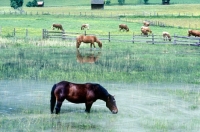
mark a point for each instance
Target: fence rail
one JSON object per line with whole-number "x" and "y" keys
{"x": 151, "y": 39}
{"x": 98, "y": 14}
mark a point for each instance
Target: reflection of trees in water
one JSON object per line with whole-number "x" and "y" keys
{"x": 88, "y": 57}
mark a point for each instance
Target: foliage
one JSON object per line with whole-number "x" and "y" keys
{"x": 163, "y": 1}
{"x": 16, "y": 3}
{"x": 32, "y": 3}
{"x": 121, "y": 2}
{"x": 108, "y": 2}
{"x": 146, "y": 1}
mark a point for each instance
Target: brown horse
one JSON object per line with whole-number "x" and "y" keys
{"x": 87, "y": 39}
{"x": 86, "y": 93}
{"x": 83, "y": 26}
{"x": 87, "y": 58}
{"x": 58, "y": 26}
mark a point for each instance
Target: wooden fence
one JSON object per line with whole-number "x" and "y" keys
{"x": 151, "y": 39}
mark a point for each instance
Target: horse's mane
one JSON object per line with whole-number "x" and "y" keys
{"x": 102, "y": 90}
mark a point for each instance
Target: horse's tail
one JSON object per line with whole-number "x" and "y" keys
{"x": 53, "y": 98}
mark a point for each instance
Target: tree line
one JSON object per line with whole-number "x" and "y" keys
{"x": 19, "y": 3}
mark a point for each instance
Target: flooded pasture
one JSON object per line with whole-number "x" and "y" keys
{"x": 24, "y": 106}
{"x": 156, "y": 88}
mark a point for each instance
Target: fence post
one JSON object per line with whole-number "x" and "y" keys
{"x": 199, "y": 43}
{"x": 152, "y": 38}
{"x": 108, "y": 36}
{"x": 133, "y": 37}
{"x": 174, "y": 39}
{"x": 44, "y": 33}
{"x": 14, "y": 32}
{"x": 26, "y": 33}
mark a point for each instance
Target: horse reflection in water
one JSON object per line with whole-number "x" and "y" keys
{"x": 86, "y": 93}
{"x": 90, "y": 57}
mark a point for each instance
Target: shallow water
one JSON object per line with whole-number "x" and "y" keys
{"x": 24, "y": 106}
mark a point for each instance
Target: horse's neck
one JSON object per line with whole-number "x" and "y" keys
{"x": 103, "y": 94}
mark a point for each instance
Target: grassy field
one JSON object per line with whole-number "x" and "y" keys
{"x": 71, "y": 23}
{"x": 180, "y": 18}
{"x": 156, "y": 86}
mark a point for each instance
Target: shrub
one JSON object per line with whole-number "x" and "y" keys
{"x": 32, "y": 3}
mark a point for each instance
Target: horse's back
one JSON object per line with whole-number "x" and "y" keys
{"x": 76, "y": 93}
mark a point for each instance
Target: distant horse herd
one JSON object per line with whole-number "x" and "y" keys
{"x": 145, "y": 30}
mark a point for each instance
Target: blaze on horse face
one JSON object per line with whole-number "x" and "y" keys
{"x": 111, "y": 104}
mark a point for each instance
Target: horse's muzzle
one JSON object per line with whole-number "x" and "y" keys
{"x": 114, "y": 111}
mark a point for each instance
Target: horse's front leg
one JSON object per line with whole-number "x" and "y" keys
{"x": 78, "y": 44}
{"x": 58, "y": 106}
{"x": 93, "y": 45}
{"x": 88, "y": 106}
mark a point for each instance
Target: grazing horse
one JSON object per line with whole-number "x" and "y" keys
{"x": 87, "y": 39}
{"x": 83, "y": 26}
{"x": 86, "y": 93}
{"x": 123, "y": 27}
{"x": 58, "y": 26}
{"x": 166, "y": 36}
{"x": 87, "y": 58}
{"x": 145, "y": 30}
{"x": 146, "y": 24}
{"x": 195, "y": 33}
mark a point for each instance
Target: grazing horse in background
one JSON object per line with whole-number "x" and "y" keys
{"x": 87, "y": 39}
{"x": 166, "y": 36}
{"x": 86, "y": 93}
{"x": 195, "y": 33}
{"x": 145, "y": 30}
{"x": 123, "y": 27}
{"x": 146, "y": 24}
{"x": 58, "y": 26}
{"x": 83, "y": 26}
{"x": 87, "y": 58}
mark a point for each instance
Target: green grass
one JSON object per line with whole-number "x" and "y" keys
{"x": 35, "y": 24}
{"x": 150, "y": 107}
{"x": 160, "y": 82}
{"x": 126, "y": 63}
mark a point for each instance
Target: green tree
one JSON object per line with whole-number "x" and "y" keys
{"x": 146, "y": 1}
{"x": 16, "y": 3}
{"x": 121, "y": 2}
{"x": 108, "y": 2}
{"x": 32, "y": 3}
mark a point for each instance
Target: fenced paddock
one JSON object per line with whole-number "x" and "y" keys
{"x": 150, "y": 39}
{"x": 110, "y": 37}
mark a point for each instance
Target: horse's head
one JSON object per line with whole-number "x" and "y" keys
{"x": 100, "y": 44}
{"x": 111, "y": 104}
{"x": 127, "y": 29}
{"x": 189, "y": 32}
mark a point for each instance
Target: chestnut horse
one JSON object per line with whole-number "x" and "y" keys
{"x": 86, "y": 93}
{"x": 87, "y": 39}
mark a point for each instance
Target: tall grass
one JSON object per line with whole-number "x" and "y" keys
{"x": 132, "y": 63}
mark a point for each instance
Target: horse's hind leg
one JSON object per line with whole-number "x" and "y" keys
{"x": 58, "y": 106}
